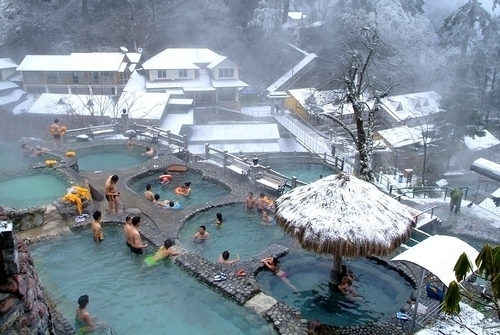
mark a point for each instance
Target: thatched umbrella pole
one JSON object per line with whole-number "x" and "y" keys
{"x": 337, "y": 263}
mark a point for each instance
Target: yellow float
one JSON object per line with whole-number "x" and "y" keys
{"x": 70, "y": 154}
{"x": 62, "y": 130}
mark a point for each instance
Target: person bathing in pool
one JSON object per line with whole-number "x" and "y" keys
{"x": 272, "y": 264}
{"x": 201, "y": 235}
{"x": 162, "y": 253}
{"x": 135, "y": 237}
{"x": 96, "y": 227}
{"x": 83, "y": 319}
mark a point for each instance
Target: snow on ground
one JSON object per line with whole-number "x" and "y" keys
{"x": 454, "y": 325}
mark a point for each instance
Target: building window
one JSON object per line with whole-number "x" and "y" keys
{"x": 162, "y": 73}
{"x": 51, "y": 77}
{"x": 226, "y": 73}
{"x": 105, "y": 74}
{"x": 75, "y": 78}
{"x": 96, "y": 77}
{"x": 183, "y": 73}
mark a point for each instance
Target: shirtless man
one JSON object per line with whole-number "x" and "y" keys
{"x": 250, "y": 202}
{"x": 148, "y": 194}
{"x": 201, "y": 234}
{"x": 135, "y": 237}
{"x": 112, "y": 195}
{"x": 97, "y": 228}
{"x": 55, "y": 131}
{"x": 224, "y": 258}
{"x": 264, "y": 203}
{"x": 127, "y": 227}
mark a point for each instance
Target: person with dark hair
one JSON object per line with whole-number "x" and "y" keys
{"x": 347, "y": 273}
{"x": 148, "y": 194}
{"x": 83, "y": 319}
{"x": 174, "y": 205}
{"x": 224, "y": 258}
{"x": 201, "y": 234}
{"x": 127, "y": 229}
{"x": 272, "y": 264}
{"x": 96, "y": 227}
{"x": 315, "y": 327}
{"x": 162, "y": 253}
{"x": 250, "y": 202}
{"x": 156, "y": 200}
{"x": 130, "y": 143}
{"x": 187, "y": 188}
{"x": 135, "y": 237}
{"x": 56, "y": 132}
{"x": 112, "y": 194}
{"x": 346, "y": 289}
{"x": 218, "y": 220}
{"x": 149, "y": 152}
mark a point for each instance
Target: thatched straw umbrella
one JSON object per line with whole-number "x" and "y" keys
{"x": 344, "y": 216}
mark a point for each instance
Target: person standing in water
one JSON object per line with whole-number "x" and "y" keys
{"x": 148, "y": 194}
{"x": 112, "y": 194}
{"x": 135, "y": 237}
{"x": 127, "y": 228}
{"x": 97, "y": 228}
{"x": 83, "y": 319}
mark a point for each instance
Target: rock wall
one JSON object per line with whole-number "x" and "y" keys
{"x": 23, "y": 307}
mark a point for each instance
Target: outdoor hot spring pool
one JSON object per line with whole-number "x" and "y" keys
{"x": 109, "y": 157}
{"x": 12, "y": 157}
{"x": 305, "y": 172}
{"x": 131, "y": 298}
{"x": 384, "y": 291}
{"x": 35, "y": 188}
{"x": 202, "y": 190}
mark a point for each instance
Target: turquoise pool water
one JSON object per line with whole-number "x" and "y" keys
{"x": 203, "y": 190}
{"x": 303, "y": 171}
{"x": 133, "y": 299}
{"x": 241, "y": 233}
{"x": 384, "y": 292}
{"x": 110, "y": 157}
{"x": 39, "y": 188}
{"x": 12, "y": 157}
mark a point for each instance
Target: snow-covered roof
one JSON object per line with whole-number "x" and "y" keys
{"x": 136, "y": 82}
{"x": 296, "y": 69}
{"x": 94, "y": 61}
{"x": 438, "y": 254}
{"x": 345, "y": 216}
{"x": 480, "y": 143}
{"x": 487, "y": 168}
{"x": 141, "y": 104}
{"x": 237, "y": 147}
{"x": 323, "y": 98}
{"x": 175, "y": 121}
{"x": 7, "y": 63}
{"x": 399, "y": 137}
{"x": 7, "y": 85}
{"x": 13, "y": 96}
{"x": 413, "y": 105}
{"x": 295, "y": 15}
{"x": 182, "y": 58}
{"x": 228, "y": 83}
{"x": 73, "y": 104}
{"x": 24, "y": 106}
{"x": 234, "y": 132}
{"x": 201, "y": 83}
{"x": 185, "y": 102}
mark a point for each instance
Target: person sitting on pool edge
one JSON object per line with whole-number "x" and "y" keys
{"x": 162, "y": 253}
{"x": 224, "y": 258}
{"x": 96, "y": 227}
{"x": 174, "y": 205}
{"x": 156, "y": 200}
{"x": 272, "y": 264}
{"x": 201, "y": 234}
{"x": 83, "y": 319}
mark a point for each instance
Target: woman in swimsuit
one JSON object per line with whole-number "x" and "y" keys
{"x": 346, "y": 289}
{"x": 272, "y": 264}
{"x": 112, "y": 195}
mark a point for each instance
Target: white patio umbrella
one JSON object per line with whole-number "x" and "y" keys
{"x": 344, "y": 216}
